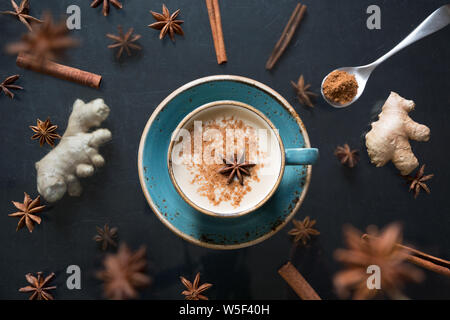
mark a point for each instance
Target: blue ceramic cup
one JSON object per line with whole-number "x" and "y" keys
{"x": 268, "y": 184}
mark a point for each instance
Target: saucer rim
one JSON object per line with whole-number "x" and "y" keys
{"x": 283, "y": 102}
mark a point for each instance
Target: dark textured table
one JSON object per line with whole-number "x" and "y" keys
{"x": 333, "y": 34}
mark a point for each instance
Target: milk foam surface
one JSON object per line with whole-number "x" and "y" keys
{"x": 268, "y": 172}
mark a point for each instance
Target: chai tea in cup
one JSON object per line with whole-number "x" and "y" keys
{"x": 226, "y": 159}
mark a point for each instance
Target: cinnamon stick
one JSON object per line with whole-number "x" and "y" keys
{"x": 296, "y": 281}
{"x": 60, "y": 71}
{"x": 429, "y": 265}
{"x": 216, "y": 29}
{"x": 286, "y": 36}
{"x": 422, "y": 259}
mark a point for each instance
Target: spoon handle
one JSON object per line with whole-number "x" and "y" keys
{"x": 436, "y": 21}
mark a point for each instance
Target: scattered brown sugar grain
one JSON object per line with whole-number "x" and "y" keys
{"x": 340, "y": 87}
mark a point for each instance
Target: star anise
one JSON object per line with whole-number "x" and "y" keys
{"x": 45, "y": 132}
{"x": 167, "y": 23}
{"x": 124, "y": 273}
{"x": 124, "y": 41}
{"x": 418, "y": 181}
{"x": 347, "y": 156}
{"x": 21, "y": 13}
{"x": 194, "y": 291}
{"x": 7, "y": 85}
{"x": 47, "y": 40}
{"x": 236, "y": 168}
{"x": 303, "y": 94}
{"x": 381, "y": 251}
{"x": 38, "y": 286}
{"x": 27, "y": 212}
{"x": 303, "y": 230}
{"x": 105, "y": 9}
{"x": 106, "y": 236}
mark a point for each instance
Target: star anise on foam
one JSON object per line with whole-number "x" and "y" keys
{"x": 124, "y": 41}
{"x": 105, "y": 9}
{"x": 7, "y": 85}
{"x": 124, "y": 273}
{"x": 21, "y": 13}
{"x": 418, "y": 181}
{"x": 45, "y": 132}
{"x": 237, "y": 167}
{"x": 38, "y": 286}
{"x": 381, "y": 251}
{"x": 194, "y": 291}
{"x": 106, "y": 236}
{"x": 303, "y": 94}
{"x": 47, "y": 41}
{"x": 303, "y": 230}
{"x": 27, "y": 213}
{"x": 346, "y": 155}
{"x": 167, "y": 23}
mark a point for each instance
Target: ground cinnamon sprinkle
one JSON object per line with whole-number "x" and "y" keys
{"x": 212, "y": 184}
{"x": 340, "y": 87}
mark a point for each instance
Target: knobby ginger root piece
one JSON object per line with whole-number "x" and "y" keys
{"x": 388, "y": 140}
{"x": 76, "y": 154}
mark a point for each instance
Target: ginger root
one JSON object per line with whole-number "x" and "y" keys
{"x": 76, "y": 154}
{"x": 388, "y": 140}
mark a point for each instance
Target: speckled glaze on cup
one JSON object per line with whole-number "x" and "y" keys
{"x": 262, "y": 190}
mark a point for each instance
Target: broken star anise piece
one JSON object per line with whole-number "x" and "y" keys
{"x": 346, "y": 155}
{"x": 45, "y": 132}
{"x": 105, "y": 9}
{"x": 21, "y": 13}
{"x": 106, "y": 236}
{"x": 303, "y": 94}
{"x": 27, "y": 212}
{"x": 7, "y": 85}
{"x": 124, "y": 273}
{"x": 194, "y": 291}
{"x": 236, "y": 168}
{"x": 47, "y": 40}
{"x": 418, "y": 181}
{"x": 382, "y": 251}
{"x": 38, "y": 286}
{"x": 124, "y": 41}
{"x": 303, "y": 230}
{"x": 167, "y": 23}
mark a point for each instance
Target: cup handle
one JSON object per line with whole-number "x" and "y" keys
{"x": 299, "y": 156}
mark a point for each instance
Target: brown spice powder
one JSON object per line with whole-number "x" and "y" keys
{"x": 212, "y": 184}
{"x": 340, "y": 87}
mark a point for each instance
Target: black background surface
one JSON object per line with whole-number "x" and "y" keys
{"x": 333, "y": 34}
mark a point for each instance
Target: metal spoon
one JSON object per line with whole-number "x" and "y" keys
{"x": 436, "y": 21}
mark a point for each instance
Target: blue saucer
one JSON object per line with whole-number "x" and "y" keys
{"x": 174, "y": 212}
